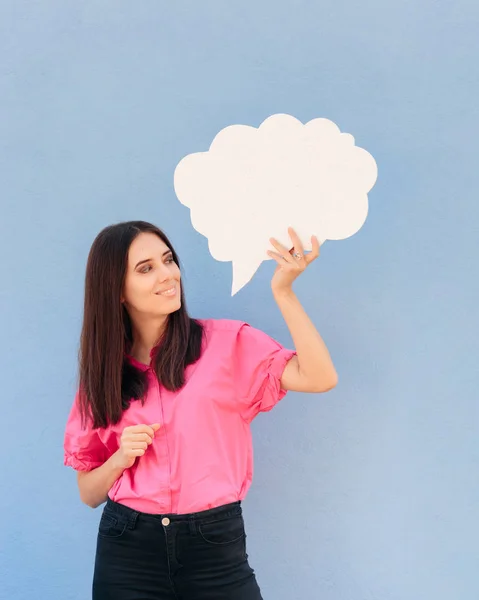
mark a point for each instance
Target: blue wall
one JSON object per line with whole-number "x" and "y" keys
{"x": 367, "y": 493}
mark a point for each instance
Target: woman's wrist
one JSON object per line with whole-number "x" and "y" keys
{"x": 117, "y": 461}
{"x": 283, "y": 293}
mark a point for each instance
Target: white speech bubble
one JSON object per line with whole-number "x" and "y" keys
{"x": 254, "y": 183}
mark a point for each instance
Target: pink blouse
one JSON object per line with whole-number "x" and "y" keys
{"x": 202, "y": 455}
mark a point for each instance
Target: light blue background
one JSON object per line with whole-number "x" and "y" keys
{"x": 367, "y": 493}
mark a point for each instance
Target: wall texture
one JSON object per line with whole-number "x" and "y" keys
{"x": 366, "y": 493}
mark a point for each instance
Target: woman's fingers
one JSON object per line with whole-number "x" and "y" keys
{"x": 313, "y": 255}
{"x": 137, "y": 437}
{"x": 283, "y": 252}
{"x": 297, "y": 253}
{"x": 134, "y": 442}
{"x": 143, "y": 431}
{"x": 135, "y": 452}
{"x": 139, "y": 445}
{"x": 279, "y": 258}
{"x": 150, "y": 430}
{"x": 298, "y": 250}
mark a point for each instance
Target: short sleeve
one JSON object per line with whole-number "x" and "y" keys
{"x": 258, "y": 367}
{"x": 83, "y": 448}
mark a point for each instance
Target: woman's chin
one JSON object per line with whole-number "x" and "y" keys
{"x": 172, "y": 307}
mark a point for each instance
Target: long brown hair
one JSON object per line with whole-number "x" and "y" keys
{"x": 108, "y": 382}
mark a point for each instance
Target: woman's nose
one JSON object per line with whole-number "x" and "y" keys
{"x": 164, "y": 274}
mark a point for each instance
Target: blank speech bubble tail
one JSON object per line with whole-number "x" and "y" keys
{"x": 242, "y": 273}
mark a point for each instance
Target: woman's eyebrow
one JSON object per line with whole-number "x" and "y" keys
{"x": 149, "y": 259}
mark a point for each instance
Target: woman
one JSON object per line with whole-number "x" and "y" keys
{"x": 160, "y": 426}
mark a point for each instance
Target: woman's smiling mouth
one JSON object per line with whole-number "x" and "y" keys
{"x": 169, "y": 292}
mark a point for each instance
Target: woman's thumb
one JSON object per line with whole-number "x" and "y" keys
{"x": 155, "y": 426}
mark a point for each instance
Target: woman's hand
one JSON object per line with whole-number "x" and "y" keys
{"x": 134, "y": 442}
{"x": 291, "y": 263}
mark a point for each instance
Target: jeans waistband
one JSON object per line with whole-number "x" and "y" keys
{"x": 224, "y": 511}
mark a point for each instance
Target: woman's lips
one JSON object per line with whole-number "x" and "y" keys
{"x": 168, "y": 292}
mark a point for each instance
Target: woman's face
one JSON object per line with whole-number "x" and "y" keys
{"x": 152, "y": 282}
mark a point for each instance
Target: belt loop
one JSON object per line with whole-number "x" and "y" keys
{"x": 192, "y": 523}
{"x": 132, "y": 519}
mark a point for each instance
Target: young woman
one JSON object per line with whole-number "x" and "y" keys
{"x": 160, "y": 426}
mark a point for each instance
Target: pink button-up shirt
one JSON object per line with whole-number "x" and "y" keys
{"x": 202, "y": 456}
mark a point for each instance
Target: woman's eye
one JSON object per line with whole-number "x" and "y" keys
{"x": 146, "y": 269}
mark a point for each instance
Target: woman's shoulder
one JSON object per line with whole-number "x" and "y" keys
{"x": 222, "y": 326}
{"x": 231, "y": 332}
{"x": 221, "y": 330}
{"x": 220, "y": 336}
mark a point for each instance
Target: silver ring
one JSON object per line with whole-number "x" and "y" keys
{"x": 297, "y": 255}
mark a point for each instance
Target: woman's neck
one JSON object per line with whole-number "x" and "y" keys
{"x": 145, "y": 337}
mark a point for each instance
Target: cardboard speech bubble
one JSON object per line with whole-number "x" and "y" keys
{"x": 253, "y": 183}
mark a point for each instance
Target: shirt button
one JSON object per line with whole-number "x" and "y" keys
{"x": 165, "y": 521}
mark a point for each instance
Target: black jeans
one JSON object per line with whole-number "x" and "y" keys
{"x": 201, "y": 556}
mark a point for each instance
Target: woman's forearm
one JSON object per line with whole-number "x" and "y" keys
{"x": 315, "y": 366}
{"x": 94, "y": 485}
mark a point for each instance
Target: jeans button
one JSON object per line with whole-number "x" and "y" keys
{"x": 165, "y": 521}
